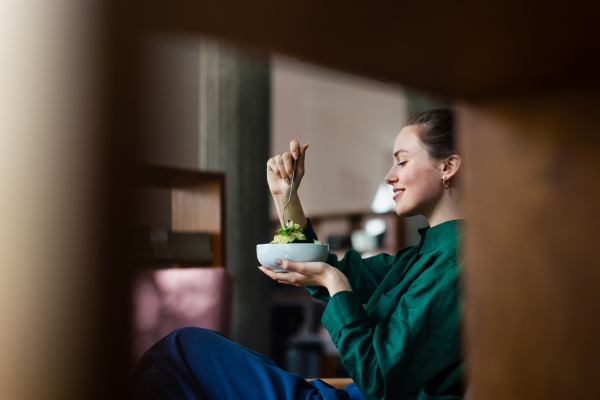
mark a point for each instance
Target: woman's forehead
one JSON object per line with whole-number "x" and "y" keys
{"x": 407, "y": 141}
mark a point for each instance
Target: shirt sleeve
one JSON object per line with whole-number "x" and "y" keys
{"x": 364, "y": 274}
{"x": 399, "y": 355}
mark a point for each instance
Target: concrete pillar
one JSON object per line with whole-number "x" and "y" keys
{"x": 234, "y": 138}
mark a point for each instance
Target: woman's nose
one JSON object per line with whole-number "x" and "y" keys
{"x": 390, "y": 178}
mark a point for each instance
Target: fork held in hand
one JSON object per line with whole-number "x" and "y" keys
{"x": 289, "y": 197}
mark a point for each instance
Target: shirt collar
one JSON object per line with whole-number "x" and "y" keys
{"x": 444, "y": 233}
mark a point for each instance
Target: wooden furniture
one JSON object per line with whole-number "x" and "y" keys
{"x": 167, "y": 299}
{"x": 197, "y": 205}
{"x": 526, "y": 72}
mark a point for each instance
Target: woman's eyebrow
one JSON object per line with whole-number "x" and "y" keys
{"x": 400, "y": 151}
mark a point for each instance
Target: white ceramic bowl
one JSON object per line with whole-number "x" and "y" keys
{"x": 297, "y": 252}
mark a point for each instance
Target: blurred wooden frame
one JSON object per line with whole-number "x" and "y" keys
{"x": 525, "y": 71}
{"x": 526, "y": 76}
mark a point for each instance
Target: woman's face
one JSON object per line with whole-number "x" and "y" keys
{"x": 415, "y": 177}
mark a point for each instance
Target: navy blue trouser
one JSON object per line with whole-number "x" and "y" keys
{"x": 201, "y": 364}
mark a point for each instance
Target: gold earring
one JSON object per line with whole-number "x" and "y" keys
{"x": 446, "y": 183}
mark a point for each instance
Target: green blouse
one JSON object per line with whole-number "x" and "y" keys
{"x": 405, "y": 343}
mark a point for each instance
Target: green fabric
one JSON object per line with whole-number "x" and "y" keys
{"x": 405, "y": 343}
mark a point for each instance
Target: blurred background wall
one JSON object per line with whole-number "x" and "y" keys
{"x": 351, "y": 124}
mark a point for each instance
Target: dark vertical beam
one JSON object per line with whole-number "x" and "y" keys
{"x": 533, "y": 271}
{"x": 123, "y": 105}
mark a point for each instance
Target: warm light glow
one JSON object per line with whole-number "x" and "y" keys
{"x": 362, "y": 241}
{"x": 383, "y": 201}
{"x": 375, "y": 227}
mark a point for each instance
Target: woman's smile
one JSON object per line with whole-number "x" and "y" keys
{"x": 397, "y": 193}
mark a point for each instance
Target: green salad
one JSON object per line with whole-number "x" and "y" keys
{"x": 290, "y": 233}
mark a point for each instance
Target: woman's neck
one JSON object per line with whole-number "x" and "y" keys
{"x": 448, "y": 208}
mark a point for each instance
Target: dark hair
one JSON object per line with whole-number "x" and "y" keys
{"x": 435, "y": 129}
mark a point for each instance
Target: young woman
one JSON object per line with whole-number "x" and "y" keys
{"x": 404, "y": 344}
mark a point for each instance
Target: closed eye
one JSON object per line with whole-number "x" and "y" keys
{"x": 402, "y": 163}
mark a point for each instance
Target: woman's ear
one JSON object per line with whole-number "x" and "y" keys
{"x": 451, "y": 166}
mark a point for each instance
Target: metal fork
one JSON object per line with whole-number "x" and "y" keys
{"x": 290, "y": 196}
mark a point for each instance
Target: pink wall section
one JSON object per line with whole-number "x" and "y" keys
{"x": 350, "y": 123}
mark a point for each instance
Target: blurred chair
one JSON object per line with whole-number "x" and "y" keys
{"x": 167, "y": 299}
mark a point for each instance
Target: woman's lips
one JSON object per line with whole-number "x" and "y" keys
{"x": 397, "y": 193}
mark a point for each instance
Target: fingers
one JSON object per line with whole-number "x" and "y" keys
{"x": 283, "y": 276}
{"x": 282, "y": 170}
{"x": 298, "y": 267}
{"x": 287, "y": 283}
{"x": 283, "y": 165}
{"x": 312, "y": 269}
{"x": 288, "y": 162}
{"x": 294, "y": 149}
{"x": 289, "y": 278}
{"x": 302, "y": 153}
{"x": 266, "y": 271}
{"x": 272, "y": 166}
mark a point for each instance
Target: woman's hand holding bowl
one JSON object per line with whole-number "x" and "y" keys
{"x": 309, "y": 274}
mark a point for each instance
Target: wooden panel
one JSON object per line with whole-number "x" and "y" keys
{"x": 197, "y": 208}
{"x": 61, "y": 269}
{"x": 533, "y": 272}
{"x": 466, "y": 47}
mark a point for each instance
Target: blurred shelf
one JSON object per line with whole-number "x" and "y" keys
{"x": 197, "y": 202}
